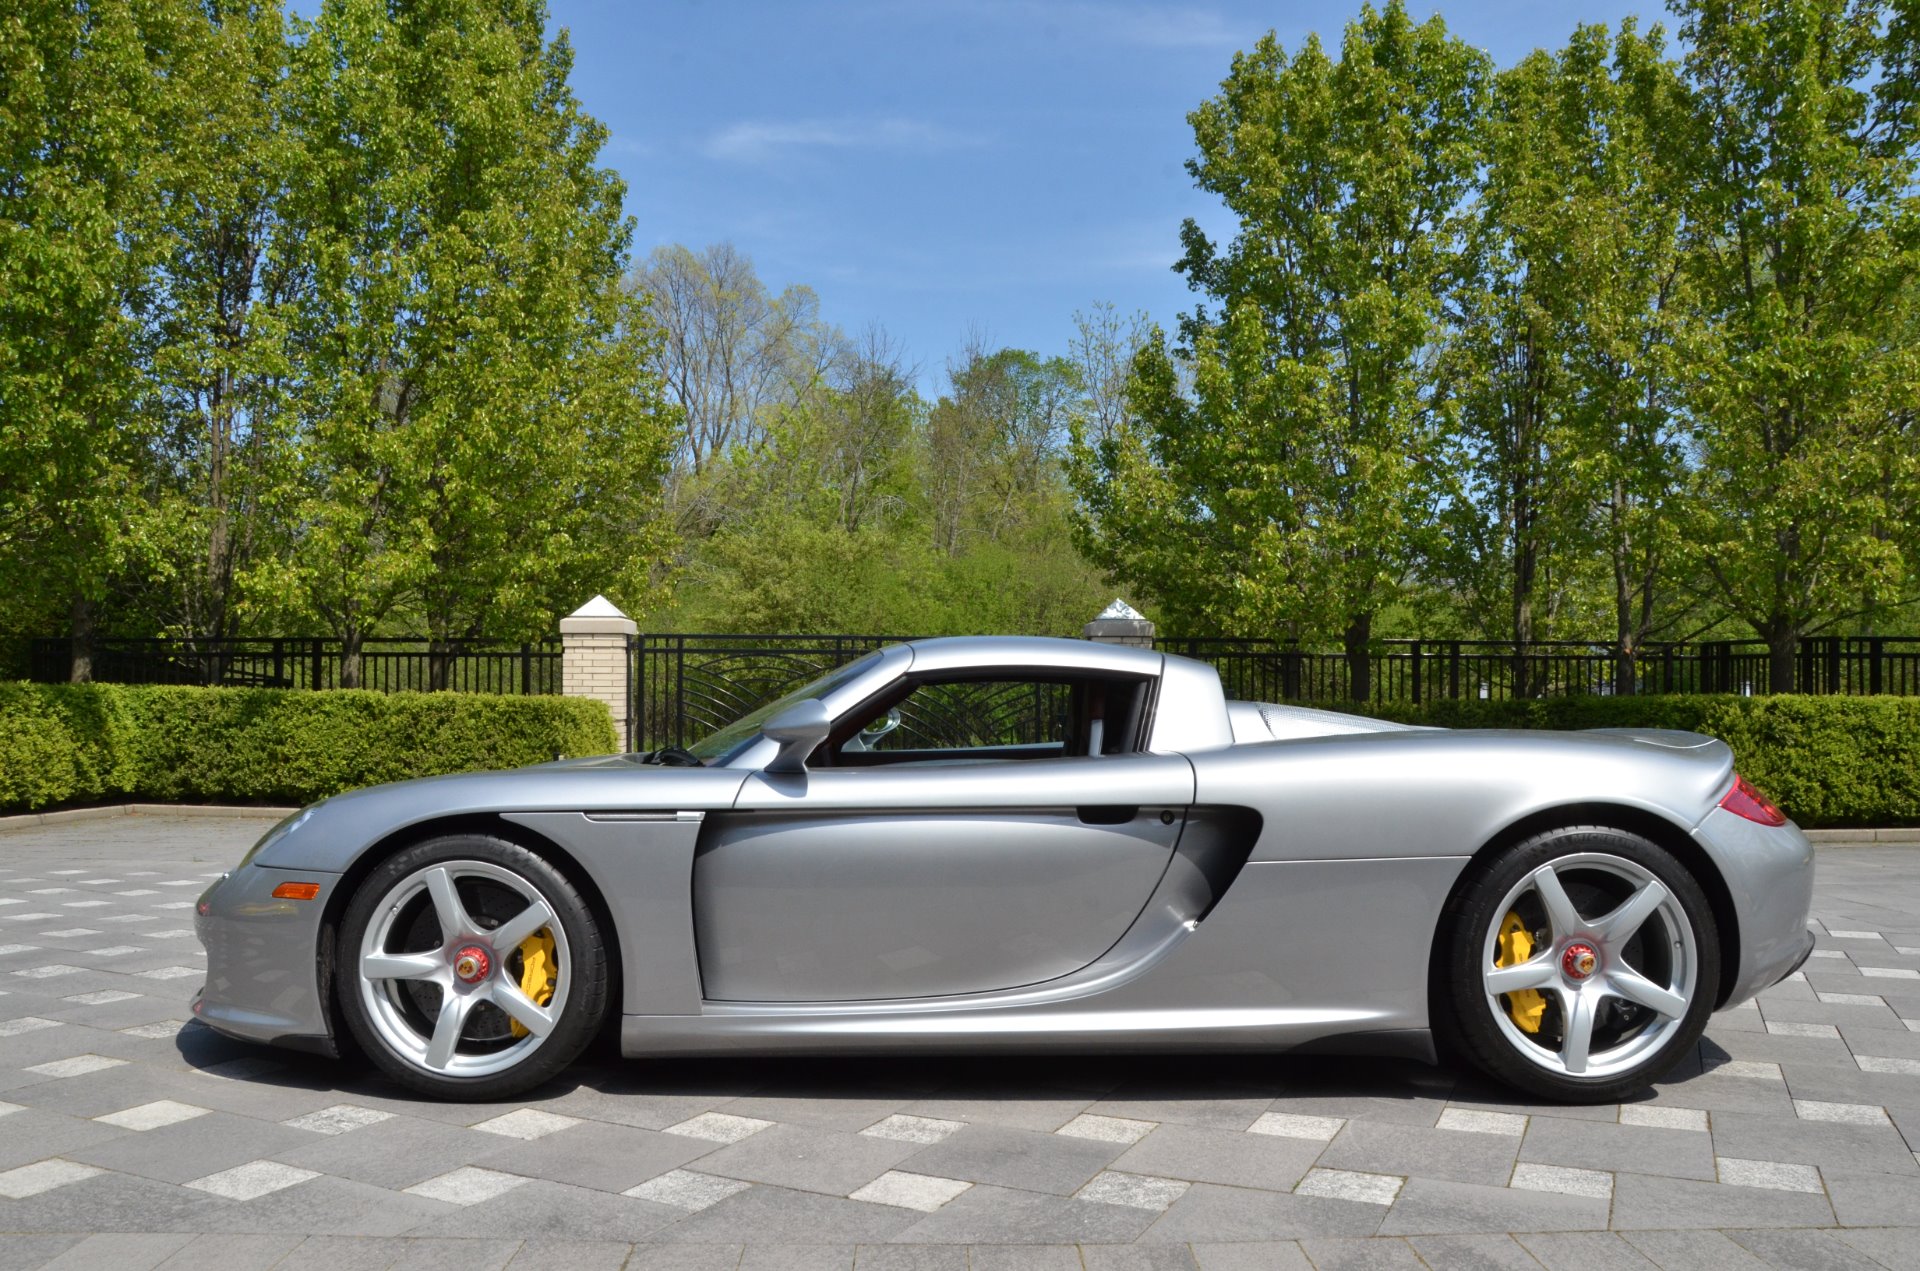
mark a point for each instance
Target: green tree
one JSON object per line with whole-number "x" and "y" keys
{"x": 1292, "y": 488}
{"x": 483, "y": 438}
{"x": 1802, "y": 258}
{"x": 221, "y": 368}
{"x": 84, "y": 107}
{"x": 1560, "y": 354}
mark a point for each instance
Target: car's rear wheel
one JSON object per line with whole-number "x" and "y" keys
{"x": 477, "y": 970}
{"x": 1580, "y": 965}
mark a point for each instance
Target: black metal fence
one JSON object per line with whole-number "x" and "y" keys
{"x": 413, "y": 664}
{"x": 683, "y": 687}
{"x": 686, "y": 686}
{"x": 1415, "y": 671}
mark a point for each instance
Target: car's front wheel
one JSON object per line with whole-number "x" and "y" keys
{"x": 1580, "y": 965}
{"x": 477, "y": 969}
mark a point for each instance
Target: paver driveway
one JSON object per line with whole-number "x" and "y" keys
{"x": 129, "y": 1141}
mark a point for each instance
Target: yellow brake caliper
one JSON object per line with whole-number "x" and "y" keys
{"x": 536, "y": 972}
{"x": 1515, "y": 944}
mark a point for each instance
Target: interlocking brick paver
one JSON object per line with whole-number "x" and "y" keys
{"x": 1808, "y": 1100}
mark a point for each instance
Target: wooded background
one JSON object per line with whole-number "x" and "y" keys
{"x": 332, "y": 325}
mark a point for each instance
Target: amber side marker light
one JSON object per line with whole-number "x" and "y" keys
{"x": 1743, "y": 800}
{"x": 296, "y": 891}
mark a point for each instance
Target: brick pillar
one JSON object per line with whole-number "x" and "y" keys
{"x": 594, "y": 661}
{"x": 1121, "y": 623}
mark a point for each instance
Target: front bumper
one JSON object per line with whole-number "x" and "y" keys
{"x": 266, "y": 961}
{"x": 1769, "y": 875}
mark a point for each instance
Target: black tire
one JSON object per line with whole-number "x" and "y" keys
{"x": 1465, "y": 1016}
{"x": 585, "y": 965}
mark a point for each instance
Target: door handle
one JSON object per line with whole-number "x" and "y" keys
{"x": 1107, "y": 813}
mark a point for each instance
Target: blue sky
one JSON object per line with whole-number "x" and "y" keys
{"x": 946, "y": 166}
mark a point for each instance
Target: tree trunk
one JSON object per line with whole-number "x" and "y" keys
{"x": 80, "y": 641}
{"x": 1358, "y": 640}
{"x": 1523, "y": 568}
{"x": 1782, "y": 635}
{"x": 1625, "y": 645}
{"x": 351, "y": 637}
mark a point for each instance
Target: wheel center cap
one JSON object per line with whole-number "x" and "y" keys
{"x": 1579, "y": 960}
{"x": 471, "y": 963}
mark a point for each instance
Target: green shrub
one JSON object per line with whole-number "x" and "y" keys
{"x": 1829, "y": 761}
{"x": 92, "y": 743}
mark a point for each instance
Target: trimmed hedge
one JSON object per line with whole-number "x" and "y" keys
{"x": 92, "y": 743}
{"x": 1829, "y": 761}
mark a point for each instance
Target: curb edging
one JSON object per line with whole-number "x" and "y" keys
{"x": 28, "y": 820}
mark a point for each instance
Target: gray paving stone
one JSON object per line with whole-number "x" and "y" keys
{"x": 231, "y": 1253}
{"x": 122, "y": 1252}
{"x": 1376, "y": 1253}
{"x": 1414, "y": 1109}
{"x": 427, "y": 1254}
{"x": 1867, "y": 1199}
{"x": 1384, "y": 1147}
{"x": 831, "y": 1109}
{"x": 1045, "y": 1111}
{"x": 986, "y": 1214}
{"x": 22, "y": 1252}
{"x": 1189, "y": 1103}
{"x": 1895, "y": 1247}
{"x": 1803, "y": 1250}
{"x": 555, "y": 1211}
{"x": 998, "y": 1257}
{"x": 1135, "y": 1258}
{"x": 1473, "y": 1253}
{"x": 1584, "y": 1251}
{"x": 1008, "y": 1158}
{"x": 570, "y": 1255}
{"x": 1233, "y": 1158}
{"x": 807, "y": 1158}
{"x": 326, "y": 1206}
{"x": 1256, "y": 1255}
{"x": 796, "y": 1257}
{"x": 343, "y": 1253}
{"x": 1213, "y": 1213}
{"x": 111, "y": 1202}
{"x": 33, "y": 1135}
{"x": 711, "y": 1257}
{"x": 911, "y": 1258}
{"x": 604, "y": 1157}
{"x": 1434, "y": 1206}
{"x": 1692, "y": 1251}
{"x": 1828, "y": 1144}
{"x": 1643, "y": 1202}
{"x": 1599, "y": 1146}
{"x": 763, "y": 1215}
{"x": 400, "y": 1152}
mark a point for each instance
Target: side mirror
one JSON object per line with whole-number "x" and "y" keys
{"x": 872, "y": 733}
{"x": 799, "y": 729}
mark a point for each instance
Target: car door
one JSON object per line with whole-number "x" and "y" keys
{"x": 930, "y": 879}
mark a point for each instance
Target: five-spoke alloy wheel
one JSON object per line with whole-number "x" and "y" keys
{"x": 477, "y": 968}
{"x": 1580, "y": 964}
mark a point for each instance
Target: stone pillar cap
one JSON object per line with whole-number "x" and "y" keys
{"x": 598, "y": 616}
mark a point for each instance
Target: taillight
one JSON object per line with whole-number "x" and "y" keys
{"x": 1744, "y": 800}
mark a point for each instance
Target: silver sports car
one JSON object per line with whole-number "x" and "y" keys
{"x": 1031, "y": 844}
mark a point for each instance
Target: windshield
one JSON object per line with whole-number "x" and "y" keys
{"x": 722, "y": 746}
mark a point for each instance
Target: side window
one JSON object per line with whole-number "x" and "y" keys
{"x": 998, "y": 719}
{"x": 982, "y": 715}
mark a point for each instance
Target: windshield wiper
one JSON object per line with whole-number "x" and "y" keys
{"x": 673, "y": 757}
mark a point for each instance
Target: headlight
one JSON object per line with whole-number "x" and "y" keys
{"x": 287, "y": 826}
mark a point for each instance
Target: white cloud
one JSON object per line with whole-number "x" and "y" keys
{"x": 755, "y": 140}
